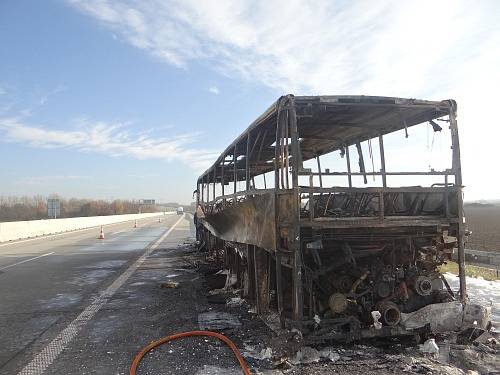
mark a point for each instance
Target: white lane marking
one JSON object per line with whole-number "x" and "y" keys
{"x": 100, "y": 252}
{"x": 46, "y": 357}
{"x": 26, "y": 260}
{"x": 69, "y": 232}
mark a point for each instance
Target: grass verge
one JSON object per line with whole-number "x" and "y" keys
{"x": 471, "y": 271}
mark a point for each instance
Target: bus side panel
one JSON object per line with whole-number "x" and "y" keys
{"x": 249, "y": 222}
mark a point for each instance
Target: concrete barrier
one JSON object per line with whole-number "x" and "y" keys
{"x": 16, "y": 230}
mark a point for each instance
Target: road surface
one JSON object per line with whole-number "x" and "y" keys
{"x": 68, "y": 303}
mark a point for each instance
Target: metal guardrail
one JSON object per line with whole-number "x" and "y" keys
{"x": 491, "y": 258}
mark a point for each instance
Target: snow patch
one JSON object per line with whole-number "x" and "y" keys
{"x": 480, "y": 291}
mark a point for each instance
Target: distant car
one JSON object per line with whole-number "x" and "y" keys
{"x": 180, "y": 210}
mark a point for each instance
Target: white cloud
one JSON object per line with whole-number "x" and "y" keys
{"x": 108, "y": 139}
{"x": 214, "y": 90}
{"x": 307, "y": 46}
{"x": 426, "y": 49}
{"x": 44, "y": 98}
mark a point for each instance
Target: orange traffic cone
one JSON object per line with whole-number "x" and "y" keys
{"x": 101, "y": 234}
{"x": 135, "y": 223}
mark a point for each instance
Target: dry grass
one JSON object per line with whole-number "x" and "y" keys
{"x": 471, "y": 271}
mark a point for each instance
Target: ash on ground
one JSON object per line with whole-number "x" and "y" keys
{"x": 206, "y": 287}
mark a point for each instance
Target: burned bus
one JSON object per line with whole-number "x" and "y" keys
{"x": 330, "y": 223}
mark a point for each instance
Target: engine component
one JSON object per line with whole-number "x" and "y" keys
{"x": 359, "y": 281}
{"x": 338, "y": 303}
{"x": 423, "y": 285}
{"x": 391, "y": 315}
{"x": 342, "y": 283}
{"x": 403, "y": 291}
{"x": 383, "y": 289}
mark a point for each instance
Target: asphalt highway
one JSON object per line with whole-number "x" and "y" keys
{"x": 53, "y": 289}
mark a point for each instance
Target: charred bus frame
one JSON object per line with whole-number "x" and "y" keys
{"x": 283, "y": 239}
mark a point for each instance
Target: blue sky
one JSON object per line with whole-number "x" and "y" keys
{"x": 132, "y": 99}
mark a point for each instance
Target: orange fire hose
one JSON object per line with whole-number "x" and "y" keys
{"x": 154, "y": 344}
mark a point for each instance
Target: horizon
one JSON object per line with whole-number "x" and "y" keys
{"x": 482, "y": 201}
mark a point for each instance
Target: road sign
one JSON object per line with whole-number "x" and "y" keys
{"x": 53, "y": 208}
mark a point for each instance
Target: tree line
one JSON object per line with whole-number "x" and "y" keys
{"x": 35, "y": 208}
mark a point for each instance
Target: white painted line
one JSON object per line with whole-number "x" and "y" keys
{"x": 100, "y": 252}
{"x": 47, "y": 356}
{"x": 24, "y": 261}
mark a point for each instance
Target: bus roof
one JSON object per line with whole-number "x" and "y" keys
{"x": 325, "y": 124}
